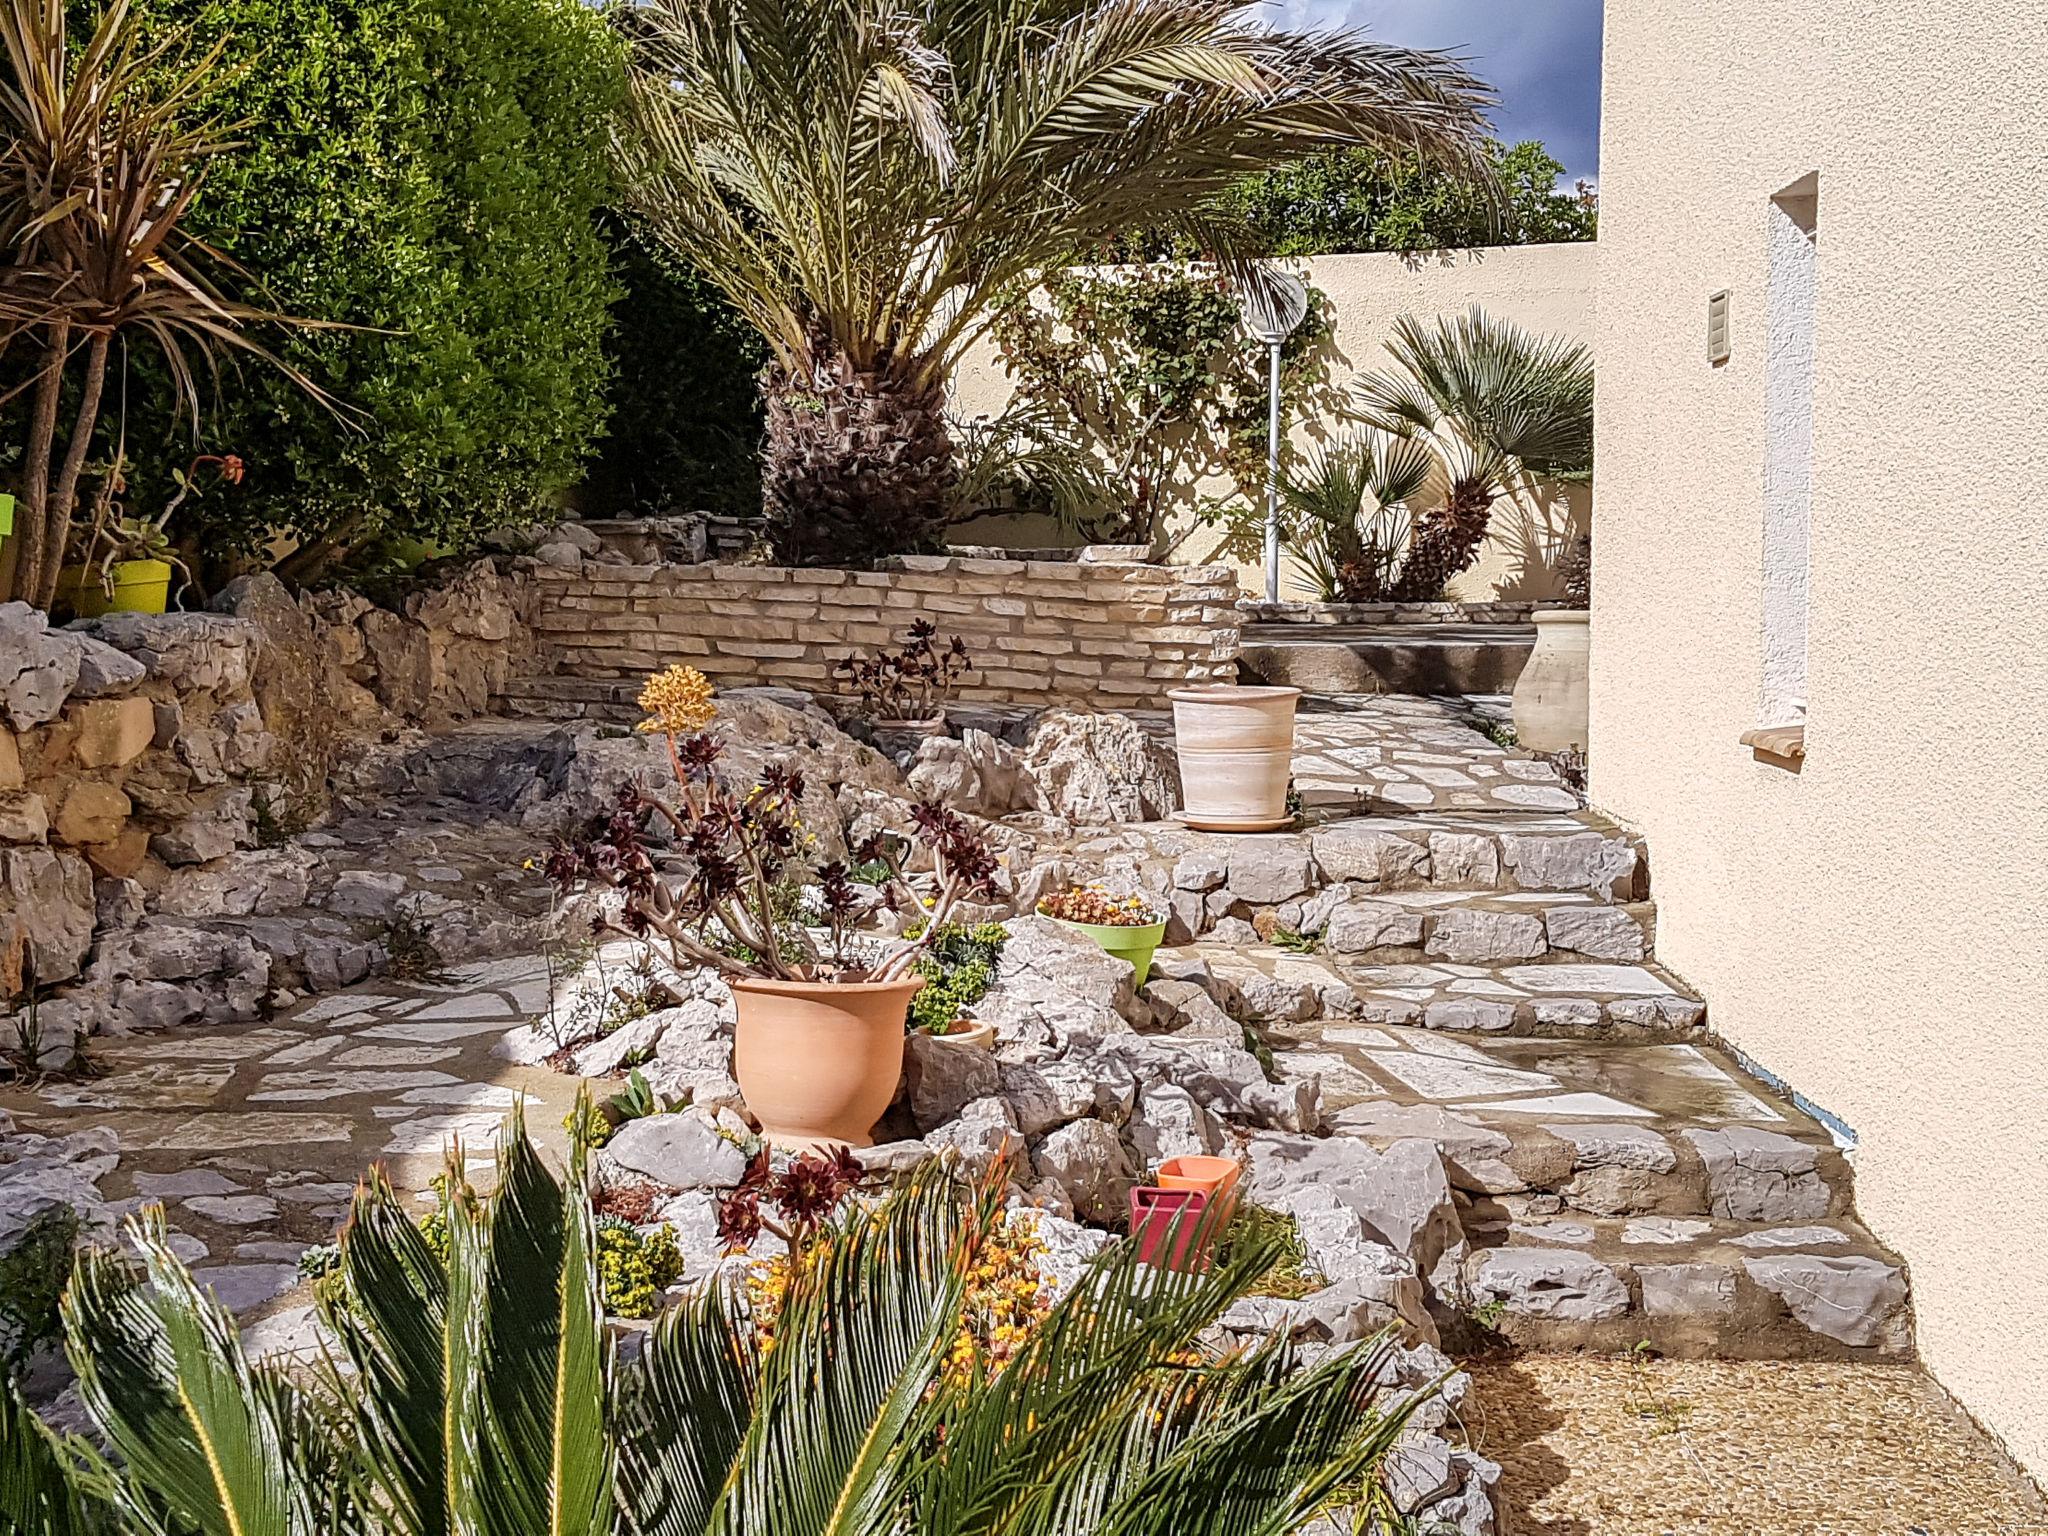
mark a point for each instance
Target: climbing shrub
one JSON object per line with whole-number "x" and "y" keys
{"x": 1149, "y": 370}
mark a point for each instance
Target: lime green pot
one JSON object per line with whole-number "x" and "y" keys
{"x": 1136, "y": 945}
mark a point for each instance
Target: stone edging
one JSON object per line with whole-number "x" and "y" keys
{"x": 1253, "y": 611}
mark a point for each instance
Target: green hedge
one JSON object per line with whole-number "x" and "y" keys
{"x": 431, "y": 171}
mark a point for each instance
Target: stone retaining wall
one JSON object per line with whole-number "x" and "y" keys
{"x": 1260, "y": 612}
{"x": 1102, "y": 634}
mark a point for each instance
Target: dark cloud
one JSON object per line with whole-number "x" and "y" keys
{"x": 1542, "y": 56}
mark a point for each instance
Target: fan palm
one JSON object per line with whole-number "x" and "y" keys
{"x": 867, "y": 180}
{"x": 1348, "y": 506}
{"x": 1498, "y": 407}
{"x": 481, "y": 1396}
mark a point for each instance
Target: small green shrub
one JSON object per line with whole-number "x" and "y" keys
{"x": 33, "y": 1274}
{"x": 958, "y": 970}
{"x": 588, "y": 1124}
{"x": 634, "y": 1267}
{"x": 1292, "y": 1275}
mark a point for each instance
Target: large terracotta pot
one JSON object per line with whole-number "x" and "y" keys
{"x": 1550, "y": 695}
{"x": 1236, "y": 748}
{"x": 817, "y": 1061}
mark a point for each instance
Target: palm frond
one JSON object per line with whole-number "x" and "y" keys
{"x": 45, "y": 1486}
{"x": 681, "y": 1414}
{"x": 220, "y": 1446}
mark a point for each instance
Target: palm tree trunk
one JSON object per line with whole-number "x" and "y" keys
{"x": 857, "y": 465}
{"x": 35, "y": 478}
{"x": 1445, "y": 542}
{"x": 64, "y": 496}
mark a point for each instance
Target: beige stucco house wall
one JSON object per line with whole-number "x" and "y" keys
{"x": 1546, "y": 288}
{"x": 1873, "y": 927}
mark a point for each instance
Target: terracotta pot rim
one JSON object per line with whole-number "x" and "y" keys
{"x": 777, "y": 986}
{"x": 1233, "y": 693}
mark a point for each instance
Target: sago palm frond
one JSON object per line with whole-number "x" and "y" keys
{"x": 45, "y": 1478}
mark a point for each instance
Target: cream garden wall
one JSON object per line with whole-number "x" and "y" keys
{"x": 1873, "y": 927}
{"x": 1547, "y": 288}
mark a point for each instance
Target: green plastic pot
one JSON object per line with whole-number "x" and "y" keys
{"x": 1136, "y": 945}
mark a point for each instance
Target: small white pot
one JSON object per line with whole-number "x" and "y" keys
{"x": 1236, "y": 747}
{"x": 1550, "y": 695}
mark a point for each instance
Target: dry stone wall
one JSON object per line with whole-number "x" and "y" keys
{"x": 1107, "y": 634}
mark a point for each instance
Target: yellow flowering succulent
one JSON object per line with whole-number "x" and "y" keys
{"x": 678, "y": 702}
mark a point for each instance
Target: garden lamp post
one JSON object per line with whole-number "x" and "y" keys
{"x": 1275, "y": 304}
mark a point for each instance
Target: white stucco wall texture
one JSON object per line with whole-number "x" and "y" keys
{"x": 1548, "y": 289}
{"x": 1873, "y": 927}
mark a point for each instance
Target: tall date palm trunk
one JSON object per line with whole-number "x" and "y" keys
{"x": 1446, "y": 541}
{"x": 857, "y": 462}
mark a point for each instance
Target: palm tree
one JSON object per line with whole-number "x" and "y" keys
{"x": 482, "y": 1396}
{"x": 1347, "y": 504}
{"x": 1498, "y": 407}
{"x": 867, "y": 181}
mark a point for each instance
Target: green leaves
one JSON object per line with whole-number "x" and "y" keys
{"x": 44, "y": 1489}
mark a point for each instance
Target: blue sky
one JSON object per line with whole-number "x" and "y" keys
{"x": 1542, "y": 56}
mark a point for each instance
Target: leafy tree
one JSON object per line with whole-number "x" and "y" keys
{"x": 1149, "y": 369}
{"x": 1346, "y": 200}
{"x": 482, "y": 1395}
{"x": 427, "y": 171}
{"x": 685, "y": 427}
{"x": 867, "y": 180}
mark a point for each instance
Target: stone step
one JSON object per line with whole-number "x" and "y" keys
{"x": 1426, "y": 659}
{"x": 571, "y": 698}
{"x": 1470, "y": 927}
{"x": 1616, "y": 1192}
{"x": 1553, "y": 998}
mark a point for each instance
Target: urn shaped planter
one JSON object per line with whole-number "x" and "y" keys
{"x": 1550, "y": 695}
{"x": 1136, "y": 945}
{"x": 1236, "y": 746}
{"x": 818, "y": 1061}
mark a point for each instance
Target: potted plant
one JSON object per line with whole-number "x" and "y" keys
{"x": 904, "y": 693}
{"x": 1125, "y": 926}
{"x": 1236, "y": 746}
{"x": 959, "y": 966}
{"x": 818, "y": 1047}
{"x": 128, "y": 560}
{"x": 1550, "y": 696}
{"x": 1215, "y": 1177}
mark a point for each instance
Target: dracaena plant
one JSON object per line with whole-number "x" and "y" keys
{"x": 743, "y": 849}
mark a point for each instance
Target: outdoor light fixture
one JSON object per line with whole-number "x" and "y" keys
{"x": 1274, "y": 305}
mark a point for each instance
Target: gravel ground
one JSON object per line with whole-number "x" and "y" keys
{"x": 1603, "y": 1447}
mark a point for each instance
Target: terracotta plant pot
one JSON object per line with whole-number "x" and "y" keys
{"x": 976, "y": 1037}
{"x": 1136, "y": 945}
{"x": 1550, "y": 695}
{"x": 140, "y": 586}
{"x": 1172, "y": 1227}
{"x": 1216, "y": 1177}
{"x": 1236, "y": 748}
{"x": 896, "y": 737}
{"x": 819, "y": 1061}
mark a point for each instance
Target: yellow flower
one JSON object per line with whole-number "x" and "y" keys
{"x": 677, "y": 701}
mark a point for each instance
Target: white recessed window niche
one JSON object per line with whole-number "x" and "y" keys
{"x": 1790, "y": 313}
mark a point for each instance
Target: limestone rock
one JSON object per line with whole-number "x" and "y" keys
{"x": 1474, "y": 936}
{"x": 104, "y": 671}
{"x": 1554, "y": 1284}
{"x": 91, "y": 812}
{"x": 38, "y": 668}
{"x": 1856, "y": 1301}
{"x": 984, "y": 1132}
{"x": 1686, "y": 1290}
{"x": 1372, "y": 857}
{"x": 1358, "y": 926}
{"x": 1265, "y": 871}
{"x": 1087, "y": 1159}
{"x": 1402, "y": 1194}
{"x": 193, "y": 652}
{"x": 1600, "y": 933}
{"x": 11, "y": 775}
{"x": 1101, "y": 770}
{"x": 111, "y": 733}
{"x": 684, "y": 1150}
{"x": 976, "y": 774}
{"x": 24, "y": 819}
{"x": 215, "y": 825}
{"x": 1168, "y": 1121}
{"x": 1597, "y": 862}
{"x": 1476, "y": 1157}
{"x": 261, "y": 883}
{"x": 1618, "y": 1170}
{"x": 1463, "y": 861}
{"x": 625, "y": 1047}
{"x": 365, "y": 893}
{"x": 46, "y": 916}
{"x": 1203, "y": 868}
{"x": 1761, "y": 1176}
{"x": 945, "y": 1077}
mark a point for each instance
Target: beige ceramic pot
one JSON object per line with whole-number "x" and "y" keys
{"x": 1236, "y": 748}
{"x": 818, "y": 1062}
{"x": 1550, "y": 695}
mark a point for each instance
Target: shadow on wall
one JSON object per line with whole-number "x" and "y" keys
{"x": 1526, "y": 542}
